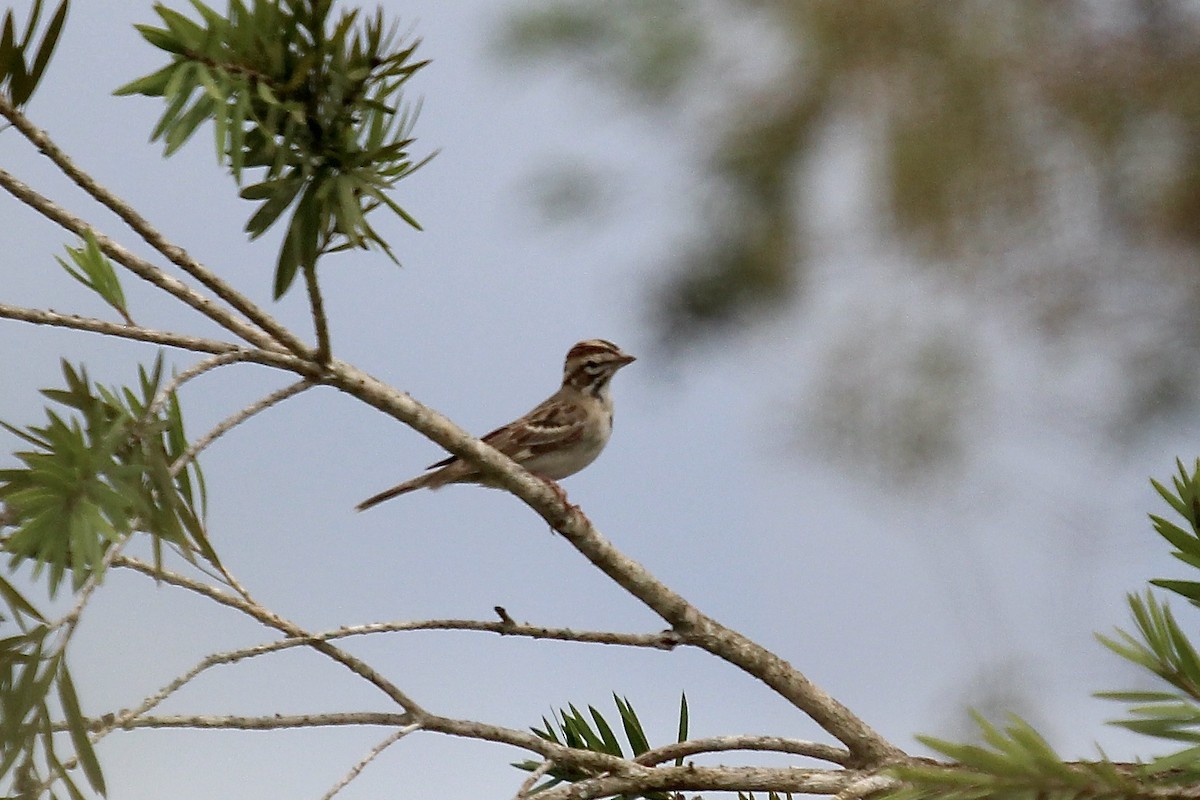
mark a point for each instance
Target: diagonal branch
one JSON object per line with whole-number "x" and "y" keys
{"x": 175, "y": 254}
{"x": 527, "y": 785}
{"x": 414, "y": 714}
{"x": 272, "y": 620}
{"x": 232, "y": 421}
{"x": 194, "y": 371}
{"x": 371, "y": 755}
{"x": 138, "y": 266}
{"x": 664, "y": 641}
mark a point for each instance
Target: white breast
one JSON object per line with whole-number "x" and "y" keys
{"x": 567, "y": 461}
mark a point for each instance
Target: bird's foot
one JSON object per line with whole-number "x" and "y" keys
{"x": 561, "y": 494}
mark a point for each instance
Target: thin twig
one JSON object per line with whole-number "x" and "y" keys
{"x": 534, "y": 777}
{"x": 194, "y": 371}
{"x": 665, "y": 640}
{"x": 771, "y": 744}
{"x": 70, "y": 620}
{"x": 149, "y": 234}
{"x": 272, "y": 620}
{"x": 583, "y": 759}
{"x": 371, "y": 755}
{"x": 196, "y": 344}
{"x": 414, "y": 714}
{"x": 227, "y": 424}
{"x": 268, "y": 722}
{"x": 320, "y": 321}
{"x": 119, "y": 720}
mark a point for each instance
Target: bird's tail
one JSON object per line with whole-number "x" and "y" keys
{"x": 395, "y": 491}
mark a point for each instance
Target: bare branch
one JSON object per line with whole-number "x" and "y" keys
{"x": 320, "y": 321}
{"x": 269, "y": 722}
{"x": 534, "y": 777}
{"x": 70, "y": 620}
{"x": 272, "y": 620}
{"x": 666, "y": 640}
{"x": 149, "y": 234}
{"x": 195, "y": 344}
{"x": 415, "y": 714}
{"x": 717, "y": 744}
{"x": 687, "y": 777}
{"x": 371, "y": 755}
{"x": 590, "y": 760}
{"x": 583, "y": 759}
{"x": 194, "y": 371}
{"x": 138, "y": 266}
{"x": 716, "y": 779}
{"x": 867, "y": 786}
{"x": 123, "y": 718}
{"x": 227, "y": 424}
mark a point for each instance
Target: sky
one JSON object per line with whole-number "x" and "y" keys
{"x": 908, "y": 606}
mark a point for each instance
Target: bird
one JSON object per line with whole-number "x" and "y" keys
{"x": 559, "y": 437}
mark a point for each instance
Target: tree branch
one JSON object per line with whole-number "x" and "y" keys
{"x": 717, "y": 744}
{"x": 194, "y": 371}
{"x": 272, "y": 620}
{"x": 371, "y": 755}
{"x": 320, "y": 321}
{"x": 715, "y": 779}
{"x": 175, "y": 254}
{"x": 121, "y": 719}
{"x": 232, "y": 421}
{"x": 138, "y": 266}
{"x": 414, "y": 714}
{"x": 665, "y": 640}
{"x": 534, "y": 777}
{"x": 269, "y": 722}
{"x": 183, "y": 341}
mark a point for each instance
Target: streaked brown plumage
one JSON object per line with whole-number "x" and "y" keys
{"x": 559, "y": 437}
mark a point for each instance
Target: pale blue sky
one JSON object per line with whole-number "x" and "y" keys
{"x": 904, "y": 606}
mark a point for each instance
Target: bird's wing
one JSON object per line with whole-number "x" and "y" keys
{"x": 549, "y": 426}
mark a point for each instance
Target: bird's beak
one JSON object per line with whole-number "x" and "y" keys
{"x": 627, "y": 359}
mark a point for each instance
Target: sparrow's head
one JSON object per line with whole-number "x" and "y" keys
{"x": 591, "y": 364}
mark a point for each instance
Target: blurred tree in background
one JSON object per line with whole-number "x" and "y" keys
{"x": 1034, "y": 160}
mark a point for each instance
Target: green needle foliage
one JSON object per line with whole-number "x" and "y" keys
{"x": 33, "y": 673}
{"x": 100, "y": 473}
{"x": 317, "y": 106}
{"x": 93, "y": 269}
{"x": 1160, "y": 644}
{"x": 22, "y": 65}
{"x": 570, "y": 727}
{"x": 1015, "y": 763}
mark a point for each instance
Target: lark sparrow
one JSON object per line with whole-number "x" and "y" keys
{"x": 556, "y": 439}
